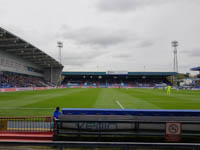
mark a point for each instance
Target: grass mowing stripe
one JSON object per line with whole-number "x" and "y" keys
{"x": 129, "y": 101}
{"x": 162, "y": 100}
{"x": 42, "y": 103}
{"x": 21, "y": 99}
{"x": 53, "y": 96}
{"x": 118, "y": 103}
{"x": 106, "y": 99}
{"x": 81, "y": 99}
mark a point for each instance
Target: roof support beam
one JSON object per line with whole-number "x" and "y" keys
{"x": 44, "y": 62}
{"x": 8, "y": 39}
{"x": 15, "y": 45}
{"x": 41, "y": 60}
{"x": 28, "y": 53}
{"x": 20, "y": 49}
{"x": 37, "y": 57}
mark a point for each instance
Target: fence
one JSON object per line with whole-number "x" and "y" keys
{"x": 25, "y": 124}
{"x": 86, "y": 127}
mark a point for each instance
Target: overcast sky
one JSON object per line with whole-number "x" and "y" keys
{"x": 102, "y": 35}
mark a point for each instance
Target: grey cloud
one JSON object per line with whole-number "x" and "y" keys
{"x": 96, "y": 37}
{"x": 81, "y": 58}
{"x": 75, "y": 61}
{"x": 145, "y": 43}
{"x": 101, "y": 37}
{"x": 184, "y": 66}
{"x": 118, "y": 5}
{"x": 37, "y": 40}
{"x": 122, "y": 55}
{"x": 193, "y": 52}
{"x": 125, "y": 5}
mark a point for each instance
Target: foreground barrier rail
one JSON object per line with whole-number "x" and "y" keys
{"x": 25, "y": 124}
{"x": 169, "y": 125}
{"x": 127, "y": 127}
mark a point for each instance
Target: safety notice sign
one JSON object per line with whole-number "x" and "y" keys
{"x": 173, "y": 132}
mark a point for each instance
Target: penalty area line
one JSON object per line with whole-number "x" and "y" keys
{"x": 120, "y": 105}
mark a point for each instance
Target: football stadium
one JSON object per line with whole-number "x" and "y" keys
{"x": 99, "y": 74}
{"x": 36, "y": 77}
{"x": 104, "y": 106}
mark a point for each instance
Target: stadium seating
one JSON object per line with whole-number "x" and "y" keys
{"x": 10, "y": 80}
{"x": 106, "y": 83}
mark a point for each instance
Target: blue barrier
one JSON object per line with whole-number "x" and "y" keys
{"x": 132, "y": 112}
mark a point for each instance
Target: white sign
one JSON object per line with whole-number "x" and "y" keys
{"x": 117, "y": 72}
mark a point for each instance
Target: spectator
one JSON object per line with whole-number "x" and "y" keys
{"x": 56, "y": 113}
{"x": 10, "y": 80}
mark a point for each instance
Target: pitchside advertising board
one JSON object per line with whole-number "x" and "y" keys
{"x": 25, "y": 89}
{"x": 173, "y": 132}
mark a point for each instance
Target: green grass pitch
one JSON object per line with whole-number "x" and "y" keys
{"x": 43, "y": 103}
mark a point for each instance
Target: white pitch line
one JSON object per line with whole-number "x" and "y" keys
{"x": 120, "y": 105}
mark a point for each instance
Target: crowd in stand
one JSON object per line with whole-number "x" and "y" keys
{"x": 115, "y": 83}
{"x": 14, "y": 80}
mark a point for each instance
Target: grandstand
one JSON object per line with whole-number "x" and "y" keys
{"x": 197, "y": 80}
{"x": 196, "y": 69}
{"x": 116, "y": 79}
{"x": 24, "y": 65}
{"x": 88, "y": 114}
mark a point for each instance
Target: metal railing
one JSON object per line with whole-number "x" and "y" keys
{"x": 122, "y": 128}
{"x": 25, "y": 124}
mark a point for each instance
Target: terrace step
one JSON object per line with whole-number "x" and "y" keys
{"x": 26, "y": 136}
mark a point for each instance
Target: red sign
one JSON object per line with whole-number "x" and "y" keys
{"x": 173, "y": 132}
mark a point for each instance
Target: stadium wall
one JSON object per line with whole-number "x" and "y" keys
{"x": 52, "y": 74}
{"x": 12, "y": 63}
